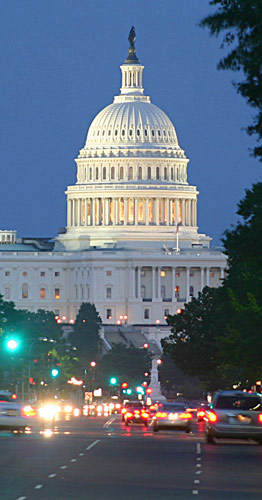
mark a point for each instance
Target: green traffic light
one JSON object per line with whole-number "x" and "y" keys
{"x": 113, "y": 380}
{"x": 54, "y": 372}
{"x": 12, "y": 344}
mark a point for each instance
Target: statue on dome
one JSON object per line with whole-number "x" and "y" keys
{"x": 132, "y": 37}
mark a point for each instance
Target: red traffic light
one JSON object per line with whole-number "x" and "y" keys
{"x": 124, "y": 385}
{"x": 149, "y": 391}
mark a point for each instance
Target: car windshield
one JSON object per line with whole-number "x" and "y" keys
{"x": 238, "y": 403}
{"x": 173, "y": 407}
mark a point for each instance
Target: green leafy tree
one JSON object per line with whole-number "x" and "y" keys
{"x": 85, "y": 335}
{"x": 240, "y": 21}
{"x": 195, "y": 341}
{"x": 127, "y": 364}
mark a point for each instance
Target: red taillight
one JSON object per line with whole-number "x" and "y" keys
{"x": 145, "y": 415}
{"x": 186, "y": 415}
{"x": 28, "y": 411}
{"x": 124, "y": 410}
{"x": 212, "y": 417}
{"x": 129, "y": 414}
{"x": 260, "y": 418}
{"x": 201, "y": 414}
{"x": 137, "y": 412}
{"x": 160, "y": 414}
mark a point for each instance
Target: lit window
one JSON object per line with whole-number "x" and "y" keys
{"x": 109, "y": 314}
{"x": 57, "y": 273}
{"x": 25, "y": 291}
{"x": 57, "y": 293}
{"x": 131, "y": 215}
{"x": 141, "y": 211}
{"x": 42, "y": 293}
{"x": 177, "y": 291}
{"x": 163, "y": 273}
{"x": 42, "y": 273}
{"x": 177, "y": 274}
{"x": 24, "y": 273}
{"x": 109, "y": 273}
{"x": 109, "y": 292}
{"x": 7, "y": 273}
{"x": 211, "y": 274}
{"x": 146, "y": 313}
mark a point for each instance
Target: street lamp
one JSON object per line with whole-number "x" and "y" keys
{"x": 40, "y": 339}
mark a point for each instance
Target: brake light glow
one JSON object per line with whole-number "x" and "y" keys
{"x": 212, "y": 417}
{"x": 160, "y": 414}
{"x": 186, "y": 415}
{"x": 201, "y": 413}
{"x": 129, "y": 414}
{"x": 28, "y": 411}
{"x": 260, "y": 418}
{"x": 124, "y": 410}
{"x": 145, "y": 414}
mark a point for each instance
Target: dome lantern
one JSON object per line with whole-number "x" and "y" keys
{"x": 132, "y": 70}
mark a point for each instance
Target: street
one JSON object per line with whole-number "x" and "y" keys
{"x": 100, "y": 458}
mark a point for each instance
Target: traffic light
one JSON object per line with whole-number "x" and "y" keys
{"x": 124, "y": 385}
{"x": 12, "y": 344}
{"x": 129, "y": 391}
{"x": 54, "y": 372}
{"x": 113, "y": 380}
{"x": 140, "y": 390}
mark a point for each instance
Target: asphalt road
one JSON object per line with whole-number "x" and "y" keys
{"x": 100, "y": 459}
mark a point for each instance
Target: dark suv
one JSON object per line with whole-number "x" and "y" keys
{"x": 234, "y": 414}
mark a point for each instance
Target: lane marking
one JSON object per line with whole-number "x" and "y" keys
{"x": 195, "y": 492}
{"x": 63, "y": 467}
{"x": 21, "y": 498}
{"x": 38, "y": 486}
{"x": 198, "y": 472}
{"x": 93, "y": 444}
{"x": 196, "y": 481}
{"x": 198, "y": 447}
{"x": 73, "y": 460}
{"x": 109, "y": 422}
{"x": 81, "y": 454}
{"x": 52, "y": 475}
{"x": 199, "y": 458}
{"x": 198, "y": 465}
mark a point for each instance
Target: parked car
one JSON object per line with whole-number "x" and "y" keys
{"x": 172, "y": 416}
{"x": 14, "y": 414}
{"x": 235, "y": 414}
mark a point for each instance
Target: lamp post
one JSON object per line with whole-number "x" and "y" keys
{"x": 40, "y": 339}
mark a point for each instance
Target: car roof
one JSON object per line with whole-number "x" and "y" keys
{"x": 237, "y": 393}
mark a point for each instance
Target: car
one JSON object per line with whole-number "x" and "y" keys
{"x": 172, "y": 415}
{"x": 14, "y": 414}
{"x": 201, "y": 411}
{"x": 137, "y": 414}
{"x": 128, "y": 405}
{"x": 234, "y": 414}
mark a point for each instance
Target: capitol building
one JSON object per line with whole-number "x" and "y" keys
{"x": 131, "y": 243}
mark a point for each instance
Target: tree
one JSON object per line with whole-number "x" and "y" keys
{"x": 241, "y": 23}
{"x": 195, "y": 341}
{"x": 85, "y": 335}
{"x": 127, "y": 364}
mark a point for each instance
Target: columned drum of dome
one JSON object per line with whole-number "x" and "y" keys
{"x": 132, "y": 185}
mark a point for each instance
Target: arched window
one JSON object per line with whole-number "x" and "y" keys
{"x": 163, "y": 291}
{"x": 121, "y": 173}
{"x": 165, "y": 173}
{"x": 140, "y": 173}
{"x": 24, "y": 291}
{"x": 104, "y": 173}
{"x": 157, "y": 173}
{"x": 97, "y": 173}
{"x": 130, "y": 173}
{"x": 112, "y": 172}
{"x": 145, "y": 132}
{"x": 90, "y": 173}
{"x": 177, "y": 292}
{"x": 141, "y": 211}
{"x": 138, "y": 132}
{"x": 172, "y": 173}
{"x": 121, "y": 210}
{"x": 149, "y": 173}
{"x": 153, "y": 133}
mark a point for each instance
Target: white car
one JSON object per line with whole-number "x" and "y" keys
{"x": 14, "y": 415}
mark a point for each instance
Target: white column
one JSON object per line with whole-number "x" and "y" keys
{"x": 195, "y": 213}
{"x": 139, "y": 282}
{"x": 146, "y": 212}
{"x": 176, "y": 203}
{"x": 207, "y": 275}
{"x": 125, "y": 211}
{"x": 167, "y": 212}
{"x": 187, "y": 284}
{"x": 157, "y": 211}
{"x": 136, "y": 211}
{"x": 183, "y": 213}
{"x": 86, "y": 216}
{"x": 133, "y": 282}
{"x": 170, "y": 213}
{"x": 222, "y": 273}
{"x": 93, "y": 211}
{"x": 106, "y": 212}
{"x": 103, "y": 210}
{"x": 79, "y": 211}
{"x": 202, "y": 283}
{"x": 153, "y": 282}
{"x": 173, "y": 283}
{"x": 158, "y": 283}
{"x": 69, "y": 223}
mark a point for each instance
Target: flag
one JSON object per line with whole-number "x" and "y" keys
{"x": 177, "y": 227}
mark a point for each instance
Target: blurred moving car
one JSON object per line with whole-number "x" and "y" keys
{"x": 172, "y": 415}
{"x": 235, "y": 414}
{"x": 137, "y": 414}
{"x": 201, "y": 411}
{"x": 128, "y": 405}
{"x": 14, "y": 414}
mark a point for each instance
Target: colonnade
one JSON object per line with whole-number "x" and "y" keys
{"x": 131, "y": 211}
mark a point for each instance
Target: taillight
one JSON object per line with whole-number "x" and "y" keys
{"x": 145, "y": 414}
{"x": 137, "y": 412}
{"x": 212, "y": 417}
{"x": 201, "y": 414}
{"x": 28, "y": 411}
{"x": 160, "y": 414}
{"x": 260, "y": 418}
{"x": 186, "y": 415}
{"x": 129, "y": 414}
{"x": 124, "y": 410}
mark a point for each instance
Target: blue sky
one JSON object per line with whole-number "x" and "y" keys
{"x": 60, "y": 66}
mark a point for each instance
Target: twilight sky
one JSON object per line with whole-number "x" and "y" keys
{"x": 60, "y": 66}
